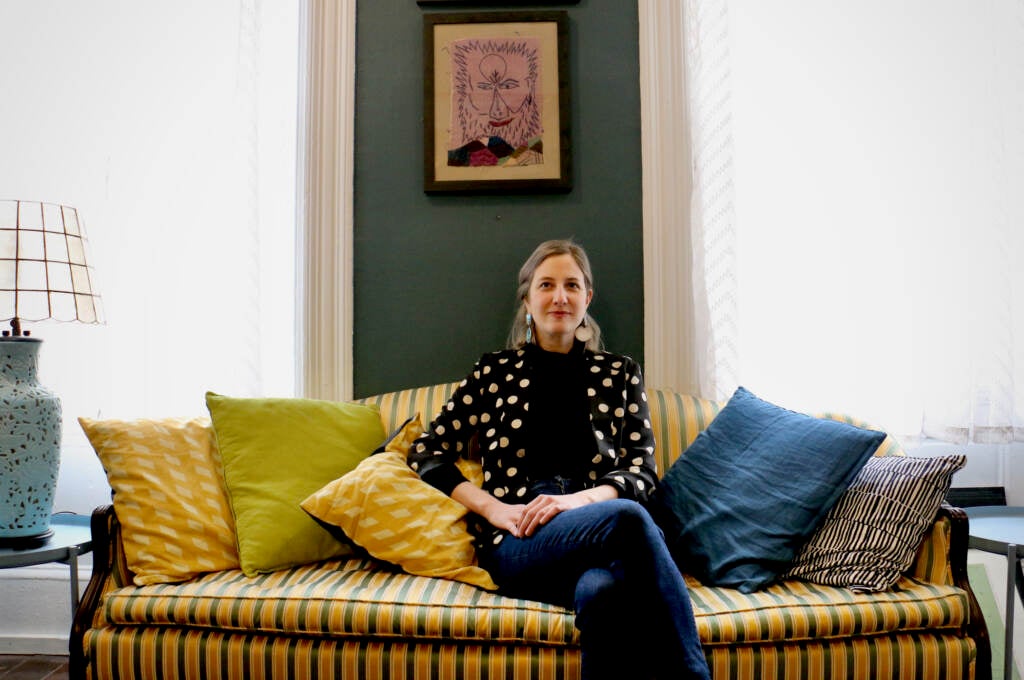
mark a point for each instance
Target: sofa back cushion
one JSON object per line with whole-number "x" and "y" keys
{"x": 677, "y": 419}
{"x": 396, "y": 408}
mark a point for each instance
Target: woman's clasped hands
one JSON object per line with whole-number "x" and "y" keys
{"x": 522, "y": 520}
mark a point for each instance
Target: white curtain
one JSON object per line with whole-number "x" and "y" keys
{"x": 171, "y": 128}
{"x": 689, "y": 217}
{"x": 712, "y": 210}
{"x": 876, "y": 163}
{"x": 325, "y": 199}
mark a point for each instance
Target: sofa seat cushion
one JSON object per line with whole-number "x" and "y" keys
{"x": 354, "y": 597}
{"x": 795, "y": 610}
{"x": 362, "y": 598}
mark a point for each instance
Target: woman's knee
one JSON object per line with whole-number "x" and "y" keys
{"x": 632, "y": 521}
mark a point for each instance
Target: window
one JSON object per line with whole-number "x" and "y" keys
{"x": 172, "y": 129}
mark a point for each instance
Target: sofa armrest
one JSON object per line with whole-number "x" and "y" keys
{"x": 934, "y": 560}
{"x": 942, "y": 559}
{"x": 109, "y": 571}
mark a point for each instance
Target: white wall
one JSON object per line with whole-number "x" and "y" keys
{"x": 870, "y": 137}
{"x": 171, "y": 127}
{"x": 35, "y": 608}
{"x": 161, "y": 125}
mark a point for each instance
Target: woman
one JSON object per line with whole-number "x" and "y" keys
{"x": 568, "y": 456}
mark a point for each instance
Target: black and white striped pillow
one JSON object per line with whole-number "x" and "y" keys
{"x": 870, "y": 536}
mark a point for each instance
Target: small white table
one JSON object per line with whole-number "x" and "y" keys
{"x": 999, "y": 529}
{"x": 72, "y": 536}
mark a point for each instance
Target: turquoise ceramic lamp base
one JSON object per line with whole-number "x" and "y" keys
{"x": 30, "y": 434}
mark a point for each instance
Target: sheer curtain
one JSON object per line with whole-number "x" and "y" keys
{"x": 172, "y": 130}
{"x": 689, "y": 217}
{"x": 876, "y": 162}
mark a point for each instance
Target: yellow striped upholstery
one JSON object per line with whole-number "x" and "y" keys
{"x": 358, "y": 618}
{"x": 359, "y": 598}
{"x": 889, "y": 445}
{"x": 397, "y": 407}
{"x": 900, "y": 657}
{"x": 932, "y": 562}
{"x": 677, "y": 419}
{"x": 203, "y": 655}
{"x": 795, "y": 610}
{"x": 344, "y": 598}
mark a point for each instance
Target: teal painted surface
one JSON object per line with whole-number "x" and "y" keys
{"x": 435, "y": 276}
{"x": 30, "y": 434}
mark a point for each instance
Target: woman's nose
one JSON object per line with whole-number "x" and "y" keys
{"x": 561, "y": 295}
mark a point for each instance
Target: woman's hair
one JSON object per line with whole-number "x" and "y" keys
{"x": 517, "y": 336}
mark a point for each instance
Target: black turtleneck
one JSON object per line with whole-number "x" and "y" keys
{"x": 561, "y": 440}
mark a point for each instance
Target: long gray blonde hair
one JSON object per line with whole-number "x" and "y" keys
{"x": 517, "y": 336}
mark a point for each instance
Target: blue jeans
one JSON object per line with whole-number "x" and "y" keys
{"x": 609, "y": 562}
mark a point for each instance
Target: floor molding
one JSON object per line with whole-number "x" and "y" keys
{"x": 34, "y": 645}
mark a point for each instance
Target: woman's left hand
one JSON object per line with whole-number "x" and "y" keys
{"x": 544, "y": 508}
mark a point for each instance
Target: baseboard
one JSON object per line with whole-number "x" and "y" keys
{"x": 33, "y": 644}
{"x": 35, "y": 609}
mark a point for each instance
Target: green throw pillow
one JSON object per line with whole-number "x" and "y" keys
{"x": 276, "y": 452}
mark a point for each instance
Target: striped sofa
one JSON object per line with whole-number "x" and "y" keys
{"x": 354, "y": 618}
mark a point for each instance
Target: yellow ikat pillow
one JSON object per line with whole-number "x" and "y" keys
{"x": 384, "y": 507}
{"x": 169, "y": 495}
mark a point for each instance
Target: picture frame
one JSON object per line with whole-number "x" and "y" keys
{"x": 451, "y": 3}
{"x": 497, "y": 102}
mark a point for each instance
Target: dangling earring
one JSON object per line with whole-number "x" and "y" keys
{"x": 584, "y": 332}
{"x": 529, "y": 328}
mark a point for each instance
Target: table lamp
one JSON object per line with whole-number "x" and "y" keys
{"x": 43, "y": 275}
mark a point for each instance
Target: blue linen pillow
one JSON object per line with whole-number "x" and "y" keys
{"x": 740, "y": 502}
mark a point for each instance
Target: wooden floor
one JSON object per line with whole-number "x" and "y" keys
{"x": 33, "y": 667}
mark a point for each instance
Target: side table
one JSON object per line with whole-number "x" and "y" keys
{"x": 72, "y": 536}
{"x": 999, "y": 529}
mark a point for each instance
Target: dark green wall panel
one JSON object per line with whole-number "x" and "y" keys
{"x": 435, "y": 276}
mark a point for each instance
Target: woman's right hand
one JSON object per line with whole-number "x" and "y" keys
{"x": 508, "y": 517}
{"x": 500, "y": 515}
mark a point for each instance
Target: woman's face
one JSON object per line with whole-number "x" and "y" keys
{"x": 557, "y": 300}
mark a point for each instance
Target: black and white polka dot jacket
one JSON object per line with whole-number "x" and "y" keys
{"x": 492, "y": 404}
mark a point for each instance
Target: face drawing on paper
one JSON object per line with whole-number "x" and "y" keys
{"x": 496, "y": 114}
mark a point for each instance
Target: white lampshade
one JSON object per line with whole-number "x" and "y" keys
{"x": 44, "y": 273}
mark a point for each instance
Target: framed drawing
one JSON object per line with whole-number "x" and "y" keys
{"x": 496, "y": 102}
{"x": 441, "y": 3}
